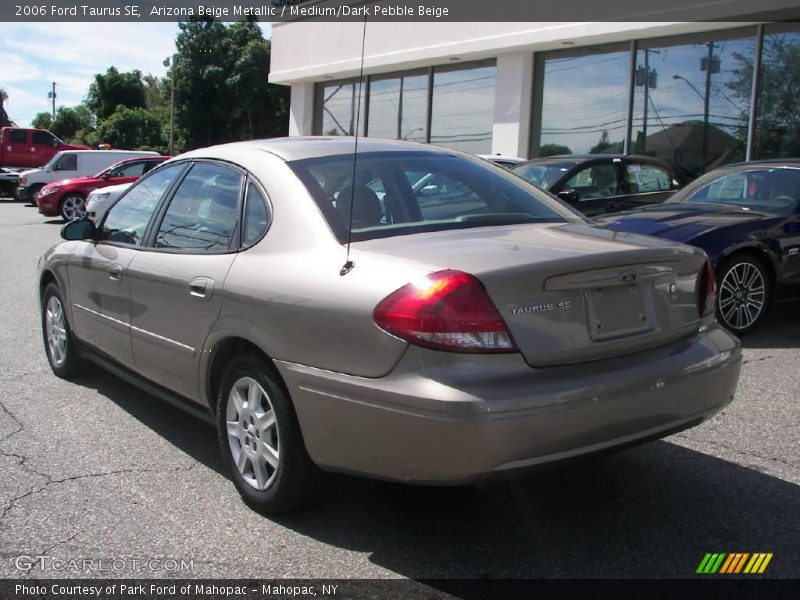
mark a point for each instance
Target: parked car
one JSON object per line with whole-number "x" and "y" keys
{"x": 99, "y": 201}
{"x": 746, "y": 216}
{"x": 417, "y": 345}
{"x": 69, "y": 165}
{"x": 600, "y": 183}
{"x": 67, "y": 198}
{"x": 503, "y": 160}
{"x": 23, "y": 147}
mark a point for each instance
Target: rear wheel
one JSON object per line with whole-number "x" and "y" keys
{"x": 260, "y": 439}
{"x": 744, "y": 293}
{"x": 59, "y": 343}
{"x": 73, "y": 207}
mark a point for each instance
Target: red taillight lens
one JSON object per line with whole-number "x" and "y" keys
{"x": 707, "y": 291}
{"x": 448, "y": 310}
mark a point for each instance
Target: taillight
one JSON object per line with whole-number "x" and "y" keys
{"x": 707, "y": 290}
{"x": 447, "y": 310}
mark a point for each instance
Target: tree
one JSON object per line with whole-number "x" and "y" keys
{"x": 777, "y": 119}
{"x": 554, "y": 150}
{"x": 113, "y": 89}
{"x": 42, "y": 120}
{"x": 602, "y": 143}
{"x": 72, "y": 122}
{"x": 5, "y": 121}
{"x": 131, "y": 128}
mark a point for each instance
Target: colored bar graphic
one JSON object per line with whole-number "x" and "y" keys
{"x": 728, "y": 564}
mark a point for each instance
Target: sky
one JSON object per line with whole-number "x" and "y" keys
{"x": 33, "y": 55}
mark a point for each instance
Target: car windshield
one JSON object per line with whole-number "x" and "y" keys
{"x": 400, "y": 193}
{"x": 772, "y": 190}
{"x": 543, "y": 174}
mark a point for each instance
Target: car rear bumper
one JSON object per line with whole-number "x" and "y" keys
{"x": 440, "y": 418}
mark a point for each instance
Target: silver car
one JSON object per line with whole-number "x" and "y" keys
{"x": 328, "y": 317}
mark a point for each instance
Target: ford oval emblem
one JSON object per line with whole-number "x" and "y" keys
{"x": 629, "y": 277}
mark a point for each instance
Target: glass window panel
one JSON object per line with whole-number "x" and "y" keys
{"x": 256, "y": 218}
{"x": 204, "y": 212}
{"x": 19, "y": 136}
{"x": 415, "y": 108}
{"x": 692, "y": 100}
{"x": 384, "y": 108}
{"x": 398, "y": 107}
{"x": 463, "y": 109}
{"x": 778, "y": 118}
{"x": 770, "y": 190}
{"x": 644, "y": 178}
{"x": 341, "y": 114}
{"x": 43, "y": 137}
{"x": 585, "y": 103}
{"x": 597, "y": 181}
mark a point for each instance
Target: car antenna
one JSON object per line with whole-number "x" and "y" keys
{"x": 349, "y": 264}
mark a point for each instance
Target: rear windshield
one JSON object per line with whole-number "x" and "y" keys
{"x": 770, "y": 190}
{"x": 543, "y": 174}
{"x": 400, "y": 193}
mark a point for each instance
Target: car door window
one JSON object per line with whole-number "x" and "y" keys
{"x": 18, "y": 136}
{"x": 204, "y": 211}
{"x": 770, "y": 190}
{"x": 67, "y": 162}
{"x": 596, "y": 181}
{"x": 44, "y": 137}
{"x": 135, "y": 169}
{"x": 643, "y": 178}
{"x": 256, "y": 216}
{"x": 126, "y": 221}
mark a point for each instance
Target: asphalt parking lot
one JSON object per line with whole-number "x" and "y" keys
{"x": 96, "y": 469}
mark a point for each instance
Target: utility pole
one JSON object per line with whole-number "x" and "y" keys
{"x": 710, "y": 64}
{"x": 52, "y": 96}
{"x": 167, "y": 63}
{"x": 648, "y": 78}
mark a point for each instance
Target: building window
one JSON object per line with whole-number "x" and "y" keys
{"x": 462, "y": 109}
{"x": 692, "y": 99}
{"x": 398, "y": 107}
{"x": 338, "y": 111}
{"x": 584, "y": 101}
{"x": 777, "y": 116}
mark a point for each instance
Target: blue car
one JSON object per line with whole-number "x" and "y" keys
{"x": 746, "y": 216}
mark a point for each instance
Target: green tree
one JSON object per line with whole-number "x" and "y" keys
{"x": 130, "y": 129}
{"x": 777, "y": 117}
{"x": 5, "y": 121}
{"x": 554, "y": 150}
{"x": 72, "y": 122}
{"x": 42, "y": 120}
{"x": 113, "y": 89}
{"x": 602, "y": 143}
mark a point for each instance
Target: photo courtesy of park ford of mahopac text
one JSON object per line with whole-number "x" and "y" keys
{"x": 430, "y": 299}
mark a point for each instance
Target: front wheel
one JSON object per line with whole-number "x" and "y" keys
{"x": 744, "y": 293}
{"x": 59, "y": 343}
{"x": 260, "y": 439}
{"x": 73, "y": 207}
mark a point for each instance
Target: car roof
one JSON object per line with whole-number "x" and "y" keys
{"x": 299, "y": 148}
{"x": 770, "y": 162}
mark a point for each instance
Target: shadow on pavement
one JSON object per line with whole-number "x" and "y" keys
{"x": 779, "y": 329}
{"x": 652, "y": 511}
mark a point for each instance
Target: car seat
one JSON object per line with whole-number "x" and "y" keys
{"x": 367, "y": 210}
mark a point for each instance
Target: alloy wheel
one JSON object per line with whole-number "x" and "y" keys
{"x": 253, "y": 433}
{"x": 742, "y": 295}
{"x": 73, "y": 208}
{"x": 56, "y": 331}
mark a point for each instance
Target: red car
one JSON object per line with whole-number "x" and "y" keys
{"x": 67, "y": 198}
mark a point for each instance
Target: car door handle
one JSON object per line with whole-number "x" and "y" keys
{"x": 201, "y": 287}
{"x": 115, "y": 273}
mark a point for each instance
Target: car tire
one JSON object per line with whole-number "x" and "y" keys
{"x": 260, "y": 439}
{"x": 60, "y": 344}
{"x": 72, "y": 207}
{"x": 743, "y": 294}
{"x": 34, "y": 191}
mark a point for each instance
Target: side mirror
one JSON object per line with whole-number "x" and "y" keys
{"x": 56, "y": 143}
{"x": 56, "y": 167}
{"x": 570, "y": 196}
{"x": 105, "y": 175}
{"x": 83, "y": 229}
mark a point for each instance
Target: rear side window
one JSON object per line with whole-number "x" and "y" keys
{"x": 127, "y": 220}
{"x": 43, "y": 137}
{"x": 256, "y": 216}
{"x": 18, "y": 136}
{"x": 204, "y": 211}
{"x": 400, "y": 193}
{"x": 644, "y": 178}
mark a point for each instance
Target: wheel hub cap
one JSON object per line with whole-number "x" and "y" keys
{"x": 56, "y": 331}
{"x": 742, "y": 295}
{"x": 253, "y": 433}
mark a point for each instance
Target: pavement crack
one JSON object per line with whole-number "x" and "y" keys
{"x": 760, "y": 359}
{"x": 17, "y": 422}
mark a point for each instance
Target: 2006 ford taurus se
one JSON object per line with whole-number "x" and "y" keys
{"x": 406, "y": 313}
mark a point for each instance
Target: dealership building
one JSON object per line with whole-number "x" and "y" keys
{"x": 698, "y": 94}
